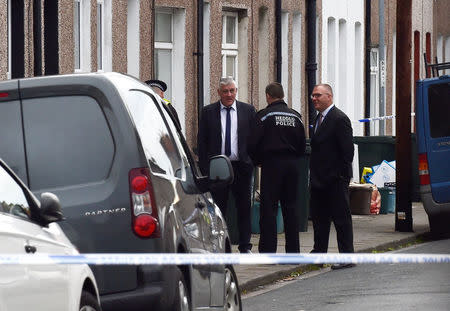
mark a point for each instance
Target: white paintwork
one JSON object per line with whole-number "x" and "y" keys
{"x": 178, "y": 57}
{"x": 285, "y": 54}
{"x": 296, "y": 85}
{"x": 340, "y": 48}
{"x": 133, "y": 45}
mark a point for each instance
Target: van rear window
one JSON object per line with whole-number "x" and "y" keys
{"x": 439, "y": 110}
{"x": 68, "y": 141}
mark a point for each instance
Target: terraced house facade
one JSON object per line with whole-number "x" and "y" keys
{"x": 190, "y": 44}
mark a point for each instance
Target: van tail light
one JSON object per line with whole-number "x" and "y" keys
{"x": 144, "y": 213}
{"x": 424, "y": 174}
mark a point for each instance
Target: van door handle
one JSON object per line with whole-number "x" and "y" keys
{"x": 30, "y": 249}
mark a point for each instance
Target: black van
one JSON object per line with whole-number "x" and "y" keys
{"x": 108, "y": 148}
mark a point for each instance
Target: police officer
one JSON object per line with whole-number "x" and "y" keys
{"x": 159, "y": 87}
{"x": 276, "y": 144}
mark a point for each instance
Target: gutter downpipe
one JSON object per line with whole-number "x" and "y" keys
{"x": 278, "y": 38}
{"x": 37, "y": 37}
{"x": 199, "y": 54}
{"x": 367, "y": 88}
{"x": 152, "y": 38}
{"x": 311, "y": 65}
{"x": 382, "y": 68}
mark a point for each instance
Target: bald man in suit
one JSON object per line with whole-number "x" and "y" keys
{"x": 330, "y": 172}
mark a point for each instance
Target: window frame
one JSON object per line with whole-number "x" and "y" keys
{"x": 225, "y": 45}
{"x": 230, "y": 49}
{"x": 100, "y": 31}
{"x": 169, "y": 46}
{"x": 79, "y": 44}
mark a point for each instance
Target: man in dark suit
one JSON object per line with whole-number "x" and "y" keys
{"x": 224, "y": 128}
{"x": 330, "y": 172}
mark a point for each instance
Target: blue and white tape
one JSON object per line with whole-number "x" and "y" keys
{"x": 220, "y": 259}
{"x": 381, "y": 118}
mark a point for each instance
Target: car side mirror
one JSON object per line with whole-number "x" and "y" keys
{"x": 50, "y": 210}
{"x": 220, "y": 172}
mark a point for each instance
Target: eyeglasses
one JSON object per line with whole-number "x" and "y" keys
{"x": 317, "y": 95}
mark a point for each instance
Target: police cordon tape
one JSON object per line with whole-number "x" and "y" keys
{"x": 220, "y": 259}
{"x": 381, "y": 118}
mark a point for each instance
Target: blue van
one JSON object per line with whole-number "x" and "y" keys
{"x": 433, "y": 145}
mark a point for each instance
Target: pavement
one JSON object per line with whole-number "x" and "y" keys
{"x": 370, "y": 232}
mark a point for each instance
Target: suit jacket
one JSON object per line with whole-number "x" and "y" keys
{"x": 209, "y": 138}
{"x": 332, "y": 150}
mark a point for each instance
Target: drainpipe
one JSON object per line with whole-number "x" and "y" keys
{"x": 152, "y": 38}
{"x": 368, "y": 45}
{"x": 37, "y": 37}
{"x": 311, "y": 65}
{"x": 278, "y": 38}
{"x": 51, "y": 38}
{"x": 199, "y": 55}
{"x": 382, "y": 67}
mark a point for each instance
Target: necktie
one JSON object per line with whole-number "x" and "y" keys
{"x": 320, "y": 119}
{"x": 228, "y": 133}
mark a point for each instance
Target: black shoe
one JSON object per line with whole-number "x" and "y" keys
{"x": 246, "y": 251}
{"x": 342, "y": 266}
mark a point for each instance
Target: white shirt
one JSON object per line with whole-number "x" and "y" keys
{"x": 234, "y": 156}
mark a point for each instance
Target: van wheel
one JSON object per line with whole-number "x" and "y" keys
{"x": 182, "y": 299}
{"x": 232, "y": 292}
{"x": 88, "y": 302}
{"x": 439, "y": 225}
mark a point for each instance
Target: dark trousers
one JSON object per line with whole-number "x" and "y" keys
{"x": 279, "y": 183}
{"x": 332, "y": 204}
{"x": 241, "y": 189}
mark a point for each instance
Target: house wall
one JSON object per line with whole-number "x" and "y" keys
{"x": 257, "y": 45}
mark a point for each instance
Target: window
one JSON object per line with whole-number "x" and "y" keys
{"x": 164, "y": 48}
{"x": 8, "y": 70}
{"x": 170, "y": 54}
{"x": 12, "y": 198}
{"x": 159, "y": 145}
{"x": 230, "y": 45}
{"x": 100, "y": 34}
{"x": 439, "y": 110}
{"x": 80, "y": 138}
